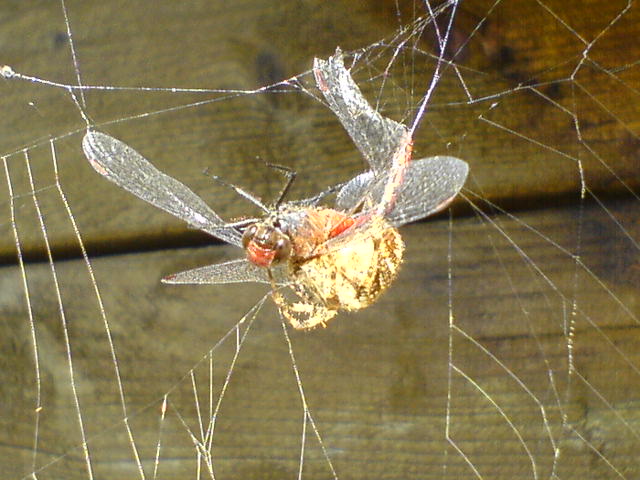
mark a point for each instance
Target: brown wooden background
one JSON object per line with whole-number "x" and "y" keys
{"x": 376, "y": 381}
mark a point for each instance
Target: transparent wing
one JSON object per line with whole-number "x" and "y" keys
{"x": 429, "y": 184}
{"x": 128, "y": 169}
{"x": 233, "y": 271}
{"x": 377, "y": 137}
{"x": 354, "y": 191}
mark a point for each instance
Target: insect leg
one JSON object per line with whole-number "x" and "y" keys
{"x": 243, "y": 193}
{"x": 290, "y": 174}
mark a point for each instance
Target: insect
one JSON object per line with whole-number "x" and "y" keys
{"x": 326, "y": 259}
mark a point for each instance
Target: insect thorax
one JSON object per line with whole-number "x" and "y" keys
{"x": 310, "y": 228}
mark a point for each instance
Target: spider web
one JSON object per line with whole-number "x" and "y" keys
{"x": 506, "y": 349}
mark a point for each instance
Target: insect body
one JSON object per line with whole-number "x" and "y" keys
{"x": 325, "y": 279}
{"x": 329, "y": 258}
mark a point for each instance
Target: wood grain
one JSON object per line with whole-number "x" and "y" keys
{"x": 376, "y": 381}
{"x": 524, "y": 127}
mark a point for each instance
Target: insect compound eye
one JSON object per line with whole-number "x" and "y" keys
{"x": 282, "y": 248}
{"x": 248, "y": 235}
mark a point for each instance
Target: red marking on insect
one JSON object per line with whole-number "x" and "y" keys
{"x": 320, "y": 81}
{"x": 399, "y": 164}
{"x": 98, "y": 168}
{"x": 260, "y": 256}
{"x": 345, "y": 224}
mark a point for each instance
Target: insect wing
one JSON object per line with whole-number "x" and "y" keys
{"x": 234, "y": 271}
{"x": 125, "y": 167}
{"x": 377, "y": 137}
{"x": 354, "y": 191}
{"x": 429, "y": 185}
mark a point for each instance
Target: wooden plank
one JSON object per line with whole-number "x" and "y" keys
{"x": 522, "y": 149}
{"x": 376, "y": 381}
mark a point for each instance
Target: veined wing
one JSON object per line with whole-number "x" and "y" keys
{"x": 429, "y": 184}
{"x": 354, "y": 191}
{"x": 377, "y": 137}
{"x": 125, "y": 167}
{"x": 233, "y": 271}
